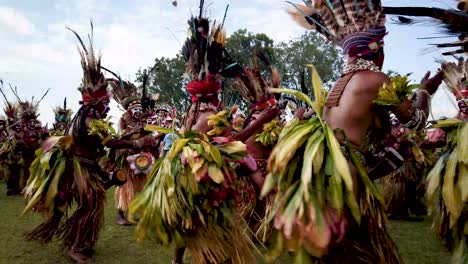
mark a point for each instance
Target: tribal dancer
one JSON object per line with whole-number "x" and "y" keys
{"x": 329, "y": 211}
{"x": 447, "y": 182}
{"x": 403, "y": 190}
{"x": 195, "y": 183}
{"x": 10, "y": 151}
{"x": 27, "y": 132}
{"x": 3, "y": 148}
{"x": 254, "y": 89}
{"x": 62, "y": 119}
{"x": 66, "y": 169}
{"x": 135, "y": 163}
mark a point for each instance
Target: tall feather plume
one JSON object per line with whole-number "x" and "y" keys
{"x": 147, "y": 102}
{"x": 203, "y": 49}
{"x": 336, "y": 19}
{"x": 452, "y": 21}
{"x": 93, "y": 79}
{"x": 62, "y": 112}
{"x": 252, "y": 85}
{"x": 456, "y": 75}
{"x": 28, "y": 109}
{"x": 11, "y": 109}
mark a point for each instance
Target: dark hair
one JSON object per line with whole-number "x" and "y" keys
{"x": 373, "y": 56}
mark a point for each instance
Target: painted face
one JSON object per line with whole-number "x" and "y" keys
{"x": 136, "y": 112}
{"x": 395, "y": 122}
{"x": 33, "y": 125}
{"x": 463, "y": 106}
{"x": 61, "y": 127}
{"x": 103, "y": 107}
{"x": 17, "y": 127}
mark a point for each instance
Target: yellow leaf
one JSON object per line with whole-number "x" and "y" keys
{"x": 232, "y": 147}
{"x": 462, "y": 183}
{"x": 341, "y": 164}
{"x": 313, "y": 144}
{"x": 433, "y": 178}
{"x": 177, "y": 148}
{"x": 215, "y": 173}
{"x": 450, "y": 194}
{"x": 462, "y": 143}
{"x": 317, "y": 88}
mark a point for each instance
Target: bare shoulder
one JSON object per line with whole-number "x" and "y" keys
{"x": 369, "y": 81}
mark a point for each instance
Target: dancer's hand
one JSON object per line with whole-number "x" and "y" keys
{"x": 431, "y": 84}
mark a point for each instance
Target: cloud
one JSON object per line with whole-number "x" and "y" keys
{"x": 130, "y": 35}
{"x": 15, "y": 21}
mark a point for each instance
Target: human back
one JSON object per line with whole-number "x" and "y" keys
{"x": 354, "y": 112}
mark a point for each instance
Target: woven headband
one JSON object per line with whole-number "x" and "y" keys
{"x": 363, "y": 43}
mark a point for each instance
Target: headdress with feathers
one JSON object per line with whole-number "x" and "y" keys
{"x": 62, "y": 113}
{"x": 358, "y": 26}
{"x": 147, "y": 102}
{"x": 124, "y": 93}
{"x": 253, "y": 86}
{"x": 203, "y": 53}
{"x": 456, "y": 77}
{"x": 93, "y": 85}
{"x": 11, "y": 110}
{"x": 28, "y": 109}
{"x": 453, "y": 21}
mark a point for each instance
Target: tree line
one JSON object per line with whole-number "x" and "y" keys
{"x": 290, "y": 57}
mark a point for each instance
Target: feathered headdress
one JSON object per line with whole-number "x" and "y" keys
{"x": 148, "y": 102}
{"x": 125, "y": 93}
{"x": 358, "y": 26}
{"x": 11, "y": 110}
{"x": 456, "y": 77}
{"x": 162, "y": 107}
{"x": 62, "y": 113}
{"x": 28, "y": 109}
{"x": 453, "y": 21}
{"x": 93, "y": 85}
{"x": 203, "y": 54}
{"x": 253, "y": 86}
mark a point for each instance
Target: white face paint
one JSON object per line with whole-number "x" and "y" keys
{"x": 463, "y": 105}
{"x": 136, "y": 112}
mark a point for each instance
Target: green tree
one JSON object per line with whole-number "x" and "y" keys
{"x": 241, "y": 45}
{"x": 289, "y": 57}
{"x": 167, "y": 79}
{"x": 310, "y": 48}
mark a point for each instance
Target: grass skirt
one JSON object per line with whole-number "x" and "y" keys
{"x": 60, "y": 184}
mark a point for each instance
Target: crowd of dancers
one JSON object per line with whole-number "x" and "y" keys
{"x": 219, "y": 183}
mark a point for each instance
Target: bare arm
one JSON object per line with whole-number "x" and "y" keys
{"x": 266, "y": 116}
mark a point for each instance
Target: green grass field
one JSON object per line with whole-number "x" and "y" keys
{"x": 116, "y": 244}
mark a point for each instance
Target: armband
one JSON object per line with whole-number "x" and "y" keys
{"x": 418, "y": 121}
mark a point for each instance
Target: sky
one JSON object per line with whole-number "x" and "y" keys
{"x": 37, "y": 52}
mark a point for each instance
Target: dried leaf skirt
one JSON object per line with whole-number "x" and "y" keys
{"x": 69, "y": 192}
{"x": 447, "y": 193}
{"x": 188, "y": 201}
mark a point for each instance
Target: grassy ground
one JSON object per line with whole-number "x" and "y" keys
{"x": 116, "y": 244}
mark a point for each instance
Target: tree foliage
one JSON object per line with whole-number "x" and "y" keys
{"x": 167, "y": 79}
{"x": 289, "y": 57}
{"x": 310, "y": 48}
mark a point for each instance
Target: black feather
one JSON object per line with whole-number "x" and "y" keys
{"x": 455, "y": 21}
{"x": 111, "y": 72}
{"x": 79, "y": 39}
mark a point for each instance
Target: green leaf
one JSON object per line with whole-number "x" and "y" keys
{"x": 295, "y": 93}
